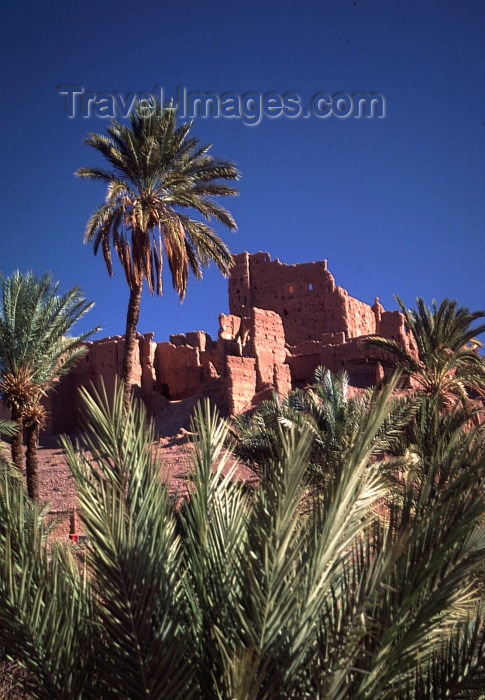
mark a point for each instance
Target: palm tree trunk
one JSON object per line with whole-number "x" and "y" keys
{"x": 17, "y": 442}
{"x": 130, "y": 344}
{"x": 32, "y": 462}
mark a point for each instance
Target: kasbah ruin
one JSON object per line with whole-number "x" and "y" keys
{"x": 284, "y": 321}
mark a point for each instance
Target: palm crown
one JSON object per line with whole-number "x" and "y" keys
{"x": 35, "y": 350}
{"x": 446, "y": 364}
{"x": 34, "y": 326}
{"x": 156, "y": 169}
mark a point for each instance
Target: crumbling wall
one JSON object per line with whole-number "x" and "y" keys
{"x": 304, "y": 296}
{"x": 240, "y": 383}
{"x": 178, "y": 370}
{"x": 360, "y": 318}
{"x": 267, "y": 345}
{"x": 102, "y": 365}
{"x": 351, "y": 356}
{"x": 233, "y": 338}
{"x": 284, "y": 321}
{"x": 392, "y": 325}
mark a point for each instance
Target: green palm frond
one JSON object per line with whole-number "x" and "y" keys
{"x": 46, "y": 611}
{"x": 158, "y": 168}
{"x": 437, "y": 525}
{"x": 394, "y": 354}
{"x": 133, "y": 553}
{"x": 444, "y": 364}
{"x": 35, "y": 350}
{"x": 356, "y": 590}
{"x": 34, "y": 323}
{"x": 333, "y": 419}
{"x": 213, "y": 528}
{"x": 457, "y": 669}
{"x": 8, "y": 428}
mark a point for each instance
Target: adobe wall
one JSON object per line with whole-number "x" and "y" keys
{"x": 102, "y": 364}
{"x": 241, "y": 383}
{"x": 352, "y": 356}
{"x": 284, "y": 321}
{"x": 304, "y": 296}
{"x": 247, "y": 358}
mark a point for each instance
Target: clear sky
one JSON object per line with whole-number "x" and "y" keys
{"x": 394, "y": 203}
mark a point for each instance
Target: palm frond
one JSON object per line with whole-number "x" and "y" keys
{"x": 156, "y": 169}
{"x": 134, "y": 550}
{"x": 46, "y": 615}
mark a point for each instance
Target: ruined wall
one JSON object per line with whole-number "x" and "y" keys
{"x": 267, "y": 345}
{"x": 101, "y": 365}
{"x": 248, "y": 357}
{"x": 241, "y": 383}
{"x": 178, "y": 370}
{"x": 352, "y": 356}
{"x": 359, "y": 317}
{"x": 284, "y": 321}
{"x": 305, "y": 296}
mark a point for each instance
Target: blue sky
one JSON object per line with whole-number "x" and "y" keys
{"x": 395, "y": 204}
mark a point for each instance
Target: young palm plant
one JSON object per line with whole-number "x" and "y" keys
{"x": 430, "y": 614}
{"x": 46, "y": 601}
{"x": 333, "y": 418}
{"x": 157, "y": 170}
{"x": 365, "y": 595}
{"x": 447, "y": 362}
{"x": 35, "y": 351}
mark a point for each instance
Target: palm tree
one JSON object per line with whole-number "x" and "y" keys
{"x": 35, "y": 351}
{"x": 238, "y": 595}
{"x": 446, "y": 363}
{"x": 325, "y": 408}
{"x": 156, "y": 169}
{"x": 329, "y": 413}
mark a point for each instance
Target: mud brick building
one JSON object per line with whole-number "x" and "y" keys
{"x": 284, "y": 321}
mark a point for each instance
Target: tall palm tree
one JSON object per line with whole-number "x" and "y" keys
{"x": 447, "y": 363}
{"x": 35, "y": 351}
{"x": 156, "y": 170}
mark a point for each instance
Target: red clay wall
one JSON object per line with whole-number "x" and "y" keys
{"x": 241, "y": 383}
{"x": 267, "y": 345}
{"x": 285, "y": 320}
{"x": 353, "y": 357}
{"x": 305, "y": 296}
{"x": 102, "y": 364}
{"x": 360, "y": 318}
{"x": 178, "y": 369}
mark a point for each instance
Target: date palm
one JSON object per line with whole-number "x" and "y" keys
{"x": 237, "y": 595}
{"x": 35, "y": 351}
{"x": 157, "y": 170}
{"x": 447, "y": 363}
{"x": 328, "y": 412}
{"x": 324, "y": 409}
